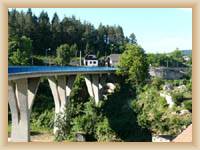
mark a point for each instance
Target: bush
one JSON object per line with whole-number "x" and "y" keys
{"x": 176, "y": 82}
{"x": 177, "y": 97}
{"x": 43, "y": 120}
{"x": 157, "y": 82}
{"x": 63, "y": 124}
{"x": 104, "y": 131}
{"x": 86, "y": 121}
{"x": 189, "y": 85}
{"x": 188, "y": 105}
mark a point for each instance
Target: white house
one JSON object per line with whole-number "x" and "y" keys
{"x": 90, "y": 60}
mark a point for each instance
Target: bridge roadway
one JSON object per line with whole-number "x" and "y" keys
{"x": 18, "y": 72}
{"x": 23, "y": 83}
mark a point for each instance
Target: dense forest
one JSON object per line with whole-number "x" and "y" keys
{"x": 41, "y": 36}
{"x": 133, "y": 112}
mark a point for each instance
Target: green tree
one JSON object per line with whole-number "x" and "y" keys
{"x": 19, "y": 51}
{"x": 44, "y": 38}
{"x": 132, "y": 38}
{"x": 56, "y": 32}
{"x": 133, "y": 63}
{"x": 63, "y": 54}
{"x": 73, "y": 50}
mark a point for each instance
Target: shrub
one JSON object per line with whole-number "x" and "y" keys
{"x": 157, "y": 82}
{"x": 188, "y": 105}
{"x": 189, "y": 85}
{"x": 63, "y": 124}
{"x": 104, "y": 131}
{"x": 176, "y": 82}
{"x": 43, "y": 120}
{"x": 177, "y": 97}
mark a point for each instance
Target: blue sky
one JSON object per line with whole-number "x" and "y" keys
{"x": 156, "y": 29}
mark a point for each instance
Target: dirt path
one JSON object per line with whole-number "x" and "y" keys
{"x": 42, "y": 137}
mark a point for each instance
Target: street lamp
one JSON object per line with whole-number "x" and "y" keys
{"x": 49, "y": 49}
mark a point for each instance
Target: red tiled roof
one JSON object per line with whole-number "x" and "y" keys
{"x": 185, "y": 136}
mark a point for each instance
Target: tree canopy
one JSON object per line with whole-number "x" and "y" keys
{"x": 45, "y": 33}
{"x": 63, "y": 54}
{"x": 133, "y": 63}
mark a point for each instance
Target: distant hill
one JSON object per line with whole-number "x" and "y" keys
{"x": 186, "y": 52}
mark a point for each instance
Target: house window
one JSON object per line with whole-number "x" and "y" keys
{"x": 90, "y": 62}
{"x": 94, "y": 62}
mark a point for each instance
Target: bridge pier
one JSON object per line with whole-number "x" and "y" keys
{"x": 61, "y": 89}
{"x": 21, "y": 96}
{"x": 94, "y": 85}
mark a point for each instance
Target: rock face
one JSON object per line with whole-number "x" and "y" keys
{"x": 167, "y": 72}
{"x": 161, "y": 138}
{"x": 183, "y": 112}
{"x": 169, "y": 99}
{"x": 110, "y": 87}
{"x": 168, "y": 87}
{"x": 182, "y": 88}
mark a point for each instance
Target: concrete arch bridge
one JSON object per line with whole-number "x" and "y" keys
{"x": 23, "y": 83}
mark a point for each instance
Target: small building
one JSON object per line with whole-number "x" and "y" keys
{"x": 186, "y": 58}
{"x": 90, "y": 60}
{"x": 112, "y": 60}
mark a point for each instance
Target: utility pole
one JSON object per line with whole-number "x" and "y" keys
{"x": 49, "y": 49}
{"x": 80, "y": 58}
{"x": 31, "y": 58}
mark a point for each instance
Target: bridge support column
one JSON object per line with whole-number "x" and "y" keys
{"x": 102, "y": 83}
{"x": 33, "y": 84}
{"x": 70, "y": 82}
{"x": 61, "y": 90}
{"x": 20, "y": 98}
{"x": 58, "y": 90}
{"x": 92, "y": 82}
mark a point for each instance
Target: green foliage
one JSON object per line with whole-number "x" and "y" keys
{"x": 132, "y": 38}
{"x": 46, "y": 33}
{"x": 154, "y": 114}
{"x": 134, "y": 64}
{"x": 174, "y": 59}
{"x": 85, "y": 122}
{"x": 73, "y": 50}
{"x": 62, "y": 122}
{"x": 189, "y": 85}
{"x": 43, "y": 120}
{"x": 177, "y": 55}
{"x": 19, "y": 51}
{"x": 104, "y": 132}
{"x": 122, "y": 119}
{"x": 188, "y": 105}
{"x": 157, "y": 82}
{"x": 177, "y": 97}
{"x": 63, "y": 54}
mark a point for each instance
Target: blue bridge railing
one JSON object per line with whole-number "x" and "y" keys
{"x": 32, "y": 69}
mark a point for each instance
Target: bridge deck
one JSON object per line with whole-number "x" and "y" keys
{"x": 17, "y": 72}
